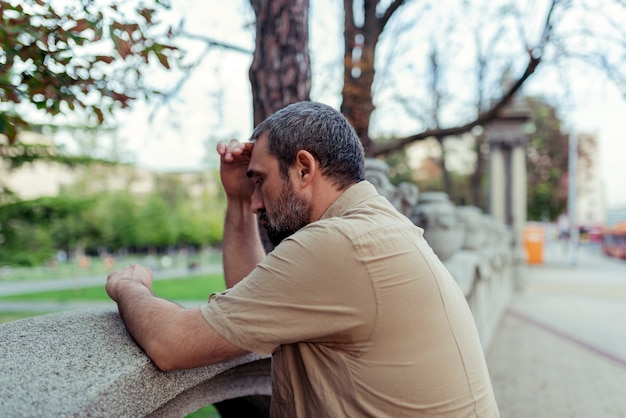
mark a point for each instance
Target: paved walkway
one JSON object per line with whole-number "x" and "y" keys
{"x": 560, "y": 350}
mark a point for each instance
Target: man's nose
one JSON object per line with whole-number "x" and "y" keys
{"x": 256, "y": 203}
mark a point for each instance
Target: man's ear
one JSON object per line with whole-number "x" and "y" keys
{"x": 306, "y": 165}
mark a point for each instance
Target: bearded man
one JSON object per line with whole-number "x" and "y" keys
{"x": 360, "y": 316}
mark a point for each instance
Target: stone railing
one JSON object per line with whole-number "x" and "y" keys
{"x": 84, "y": 363}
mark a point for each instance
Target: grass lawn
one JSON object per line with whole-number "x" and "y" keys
{"x": 206, "y": 412}
{"x": 13, "y": 316}
{"x": 181, "y": 289}
{"x": 190, "y": 288}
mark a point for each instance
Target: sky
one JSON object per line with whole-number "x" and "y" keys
{"x": 215, "y": 103}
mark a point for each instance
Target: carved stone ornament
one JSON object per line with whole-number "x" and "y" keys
{"x": 436, "y": 214}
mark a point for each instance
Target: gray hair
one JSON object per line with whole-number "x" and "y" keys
{"x": 320, "y": 130}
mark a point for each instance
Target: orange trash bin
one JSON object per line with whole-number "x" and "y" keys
{"x": 534, "y": 237}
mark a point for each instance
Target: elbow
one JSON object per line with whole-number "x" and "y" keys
{"x": 164, "y": 366}
{"x": 166, "y": 363}
{"x": 162, "y": 356}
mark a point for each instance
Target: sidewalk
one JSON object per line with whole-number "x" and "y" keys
{"x": 560, "y": 350}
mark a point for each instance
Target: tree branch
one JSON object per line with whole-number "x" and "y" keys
{"x": 534, "y": 59}
{"x": 481, "y": 119}
{"x": 395, "y": 5}
{"x": 213, "y": 42}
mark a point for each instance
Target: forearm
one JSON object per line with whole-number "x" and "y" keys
{"x": 242, "y": 248}
{"x": 147, "y": 318}
{"x": 174, "y": 338}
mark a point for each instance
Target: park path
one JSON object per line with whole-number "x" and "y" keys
{"x": 26, "y": 287}
{"x": 560, "y": 350}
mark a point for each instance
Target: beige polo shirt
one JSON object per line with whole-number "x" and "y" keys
{"x": 361, "y": 318}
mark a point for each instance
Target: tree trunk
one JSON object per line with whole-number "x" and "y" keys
{"x": 358, "y": 71}
{"x": 280, "y": 73}
{"x": 446, "y": 177}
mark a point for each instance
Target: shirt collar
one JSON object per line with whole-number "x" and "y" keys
{"x": 350, "y": 198}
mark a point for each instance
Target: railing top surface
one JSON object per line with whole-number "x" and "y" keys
{"x": 85, "y": 363}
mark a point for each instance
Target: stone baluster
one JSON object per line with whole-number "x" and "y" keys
{"x": 438, "y": 216}
{"x": 403, "y": 197}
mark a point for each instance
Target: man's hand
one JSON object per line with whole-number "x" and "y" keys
{"x": 241, "y": 245}
{"x": 131, "y": 275}
{"x": 234, "y": 160}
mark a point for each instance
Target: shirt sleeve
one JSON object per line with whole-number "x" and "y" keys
{"x": 310, "y": 288}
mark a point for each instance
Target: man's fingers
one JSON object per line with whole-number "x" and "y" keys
{"x": 232, "y": 145}
{"x": 234, "y": 148}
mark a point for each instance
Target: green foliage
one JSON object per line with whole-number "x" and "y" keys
{"x": 156, "y": 226}
{"x": 20, "y": 251}
{"x": 29, "y": 229}
{"x": 19, "y": 154}
{"x": 201, "y": 225}
{"x": 399, "y": 168}
{"x": 31, "y": 232}
{"x": 46, "y": 208}
{"x": 207, "y": 412}
{"x": 118, "y": 216}
{"x": 547, "y": 164}
{"x": 49, "y": 58}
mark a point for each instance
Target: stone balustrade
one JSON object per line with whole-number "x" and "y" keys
{"x": 84, "y": 363}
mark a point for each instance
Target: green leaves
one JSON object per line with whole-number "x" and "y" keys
{"x": 94, "y": 218}
{"x": 9, "y": 125}
{"x": 48, "y": 64}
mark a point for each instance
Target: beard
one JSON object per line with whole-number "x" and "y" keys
{"x": 290, "y": 213}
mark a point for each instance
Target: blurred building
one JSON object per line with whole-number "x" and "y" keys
{"x": 591, "y": 208}
{"x": 48, "y": 178}
{"x": 36, "y": 183}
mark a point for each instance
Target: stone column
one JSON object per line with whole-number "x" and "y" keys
{"x": 497, "y": 183}
{"x": 507, "y": 138}
{"x": 518, "y": 190}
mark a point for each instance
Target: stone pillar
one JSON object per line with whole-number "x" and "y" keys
{"x": 518, "y": 190}
{"x": 497, "y": 183}
{"x": 507, "y": 138}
